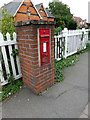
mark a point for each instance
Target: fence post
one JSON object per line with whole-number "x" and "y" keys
{"x": 65, "y": 33}
{"x": 55, "y": 47}
{"x": 11, "y": 57}
{"x": 17, "y": 57}
{"x": 83, "y": 41}
{"x": 1, "y": 70}
{"x": 4, "y": 54}
{"x": 86, "y": 37}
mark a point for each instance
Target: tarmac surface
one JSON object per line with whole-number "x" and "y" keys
{"x": 63, "y": 100}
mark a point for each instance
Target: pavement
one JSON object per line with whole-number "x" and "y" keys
{"x": 85, "y": 114}
{"x": 67, "y": 99}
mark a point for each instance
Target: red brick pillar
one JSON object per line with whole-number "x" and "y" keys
{"x": 37, "y": 77}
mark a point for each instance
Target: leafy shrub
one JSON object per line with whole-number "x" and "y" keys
{"x": 60, "y": 65}
{"x": 88, "y": 46}
{"x": 11, "y": 88}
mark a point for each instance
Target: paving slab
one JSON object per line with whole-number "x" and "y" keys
{"x": 83, "y": 116}
{"x": 86, "y": 110}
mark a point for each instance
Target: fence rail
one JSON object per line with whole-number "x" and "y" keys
{"x": 70, "y": 42}
{"x": 8, "y": 64}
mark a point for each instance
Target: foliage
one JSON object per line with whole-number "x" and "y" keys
{"x": 15, "y": 52}
{"x": 59, "y": 22}
{"x": 10, "y": 78}
{"x": 62, "y": 14}
{"x": 14, "y": 85}
{"x": 11, "y": 88}
{"x": 57, "y": 30}
{"x": 7, "y": 24}
{"x": 64, "y": 63}
{"x": 60, "y": 65}
{"x": 72, "y": 25}
{"x": 88, "y": 46}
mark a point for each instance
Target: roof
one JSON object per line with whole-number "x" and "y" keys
{"x": 38, "y": 6}
{"x": 49, "y": 14}
{"x": 77, "y": 18}
{"x": 13, "y": 6}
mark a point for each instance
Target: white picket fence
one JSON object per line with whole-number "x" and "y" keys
{"x": 69, "y": 42}
{"x": 66, "y": 43}
{"x": 9, "y": 43}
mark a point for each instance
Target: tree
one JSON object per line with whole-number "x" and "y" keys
{"x": 72, "y": 25}
{"x": 61, "y": 12}
{"x": 6, "y": 23}
{"x": 59, "y": 22}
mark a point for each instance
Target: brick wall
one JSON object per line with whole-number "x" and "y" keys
{"x": 38, "y": 78}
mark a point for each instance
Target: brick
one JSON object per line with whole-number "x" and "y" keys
{"x": 37, "y": 78}
{"x": 44, "y": 75}
{"x": 35, "y": 54}
{"x": 52, "y": 47}
{"x": 24, "y": 49}
{"x": 33, "y": 37}
{"x": 43, "y": 82}
{"x": 46, "y": 83}
{"x": 21, "y": 33}
{"x": 26, "y": 45}
{"x": 34, "y": 46}
{"x": 22, "y": 41}
{"x": 52, "y": 43}
{"x": 38, "y": 90}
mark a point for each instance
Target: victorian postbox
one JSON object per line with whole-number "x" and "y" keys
{"x": 36, "y": 52}
{"x": 44, "y": 40}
